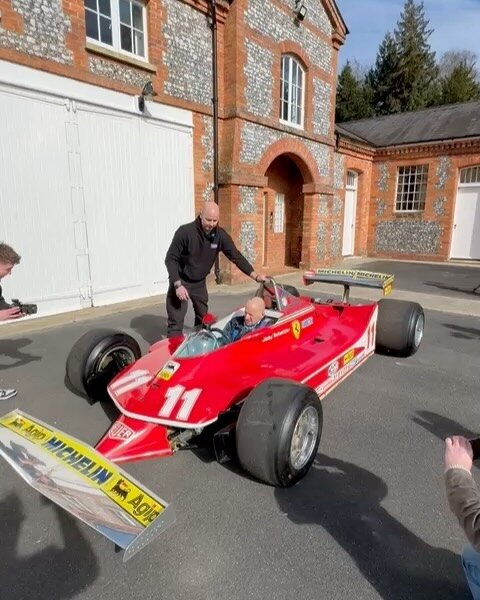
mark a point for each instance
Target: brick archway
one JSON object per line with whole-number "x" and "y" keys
{"x": 297, "y": 152}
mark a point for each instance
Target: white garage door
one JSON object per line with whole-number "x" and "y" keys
{"x": 466, "y": 226}
{"x": 91, "y": 191}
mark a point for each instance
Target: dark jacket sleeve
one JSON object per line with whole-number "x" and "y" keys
{"x": 464, "y": 500}
{"x": 3, "y": 303}
{"x": 174, "y": 253}
{"x": 231, "y": 252}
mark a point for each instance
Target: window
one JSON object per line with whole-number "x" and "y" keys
{"x": 279, "y": 214}
{"x": 119, "y": 24}
{"x": 411, "y": 188}
{"x": 292, "y": 91}
{"x": 470, "y": 175}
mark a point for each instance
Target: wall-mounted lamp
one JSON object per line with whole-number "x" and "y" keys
{"x": 147, "y": 92}
{"x": 300, "y": 11}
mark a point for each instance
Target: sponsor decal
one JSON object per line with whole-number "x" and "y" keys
{"x": 296, "y": 329}
{"x": 275, "y": 335}
{"x": 387, "y": 289}
{"x": 339, "y": 374}
{"x": 130, "y": 381}
{"x": 307, "y": 322}
{"x": 168, "y": 371}
{"x": 120, "y": 431}
{"x": 348, "y": 356}
{"x": 332, "y": 369}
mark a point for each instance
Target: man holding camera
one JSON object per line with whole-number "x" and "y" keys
{"x": 8, "y": 259}
{"x": 464, "y": 500}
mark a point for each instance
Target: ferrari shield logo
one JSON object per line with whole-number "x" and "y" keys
{"x": 296, "y": 329}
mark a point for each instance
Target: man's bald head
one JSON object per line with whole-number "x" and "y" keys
{"x": 209, "y": 216}
{"x": 254, "y": 311}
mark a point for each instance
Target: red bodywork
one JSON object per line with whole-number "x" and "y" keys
{"x": 318, "y": 344}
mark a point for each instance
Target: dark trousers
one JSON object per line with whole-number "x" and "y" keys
{"x": 177, "y": 309}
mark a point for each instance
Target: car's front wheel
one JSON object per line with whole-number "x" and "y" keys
{"x": 278, "y": 431}
{"x": 96, "y": 358}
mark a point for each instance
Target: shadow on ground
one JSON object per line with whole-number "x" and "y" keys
{"x": 151, "y": 328}
{"x": 440, "y": 426}
{"x": 464, "y": 333}
{"x": 471, "y": 291}
{"x": 11, "y": 349}
{"x": 59, "y": 572}
{"x": 345, "y": 500}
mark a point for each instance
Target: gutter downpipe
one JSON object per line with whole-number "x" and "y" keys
{"x": 213, "y": 6}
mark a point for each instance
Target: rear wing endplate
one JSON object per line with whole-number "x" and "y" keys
{"x": 349, "y": 277}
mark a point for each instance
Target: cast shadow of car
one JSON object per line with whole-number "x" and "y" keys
{"x": 345, "y": 500}
{"x": 65, "y": 571}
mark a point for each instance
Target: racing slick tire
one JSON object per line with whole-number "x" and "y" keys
{"x": 400, "y": 327}
{"x": 278, "y": 431}
{"x": 96, "y": 358}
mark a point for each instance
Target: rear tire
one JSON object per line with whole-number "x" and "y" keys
{"x": 278, "y": 432}
{"x": 400, "y": 327}
{"x": 291, "y": 289}
{"x": 96, "y": 358}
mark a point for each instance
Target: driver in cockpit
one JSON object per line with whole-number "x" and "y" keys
{"x": 253, "y": 319}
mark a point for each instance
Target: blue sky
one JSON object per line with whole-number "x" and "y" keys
{"x": 456, "y": 24}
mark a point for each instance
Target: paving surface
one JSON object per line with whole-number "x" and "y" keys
{"x": 369, "y": 522}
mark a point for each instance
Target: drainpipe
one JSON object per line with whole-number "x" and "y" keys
{"x": 213, "y": 6}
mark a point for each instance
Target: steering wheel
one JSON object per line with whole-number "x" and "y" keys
{"x": 223, "y": 337}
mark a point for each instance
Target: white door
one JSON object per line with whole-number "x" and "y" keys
{"x": 348, "y": 247}
{"x": 466, "y": 225}
{"x": 38, "y": 199}
{"x": 138, "y": 184}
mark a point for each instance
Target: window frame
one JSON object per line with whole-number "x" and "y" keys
{"x": 418, "y": 202}
{"x": 472, "y": 173}
{"x": 116, "y": 23}
{"x": 293, "y": 60}
{"x": 278, "y": 224}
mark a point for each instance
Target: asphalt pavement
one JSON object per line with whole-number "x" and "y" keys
{"x": 369, "y": 522}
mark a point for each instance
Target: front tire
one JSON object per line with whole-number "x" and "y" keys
{"x": 96, "y": 358}
{"x": 400, "y": 327}
{"x": 278, "y": 432}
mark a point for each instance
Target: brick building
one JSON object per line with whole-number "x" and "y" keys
{"x": 414, "y": 179}
{"x": 94, "y": 186}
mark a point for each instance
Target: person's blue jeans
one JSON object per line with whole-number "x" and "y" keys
{"x": 471, "y": 566}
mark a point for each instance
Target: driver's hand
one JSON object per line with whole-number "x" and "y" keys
{"x": 11, "y": 313}
{"x": 182, "y": 293}
{"x": 261, "y": 278}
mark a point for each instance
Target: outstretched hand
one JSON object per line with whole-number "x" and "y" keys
{"x": 11, "y": 313}
{"x": 458, "y": 452}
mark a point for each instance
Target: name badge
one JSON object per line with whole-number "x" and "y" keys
{"x": 213, "y": 245}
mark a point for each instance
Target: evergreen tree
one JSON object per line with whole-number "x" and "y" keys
{"x": 351, "y": 101}
{"x": 460, "y": 85}
{"x": 417, "y": 69}
{"x": 382, "y": 79}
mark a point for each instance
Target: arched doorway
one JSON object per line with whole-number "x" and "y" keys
{"x": 283, "y": 215}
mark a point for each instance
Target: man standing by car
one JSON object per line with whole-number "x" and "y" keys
{"x": 464, "y": 500}
{"x": 189, "y": 260}
{"x": 8, "y": 259}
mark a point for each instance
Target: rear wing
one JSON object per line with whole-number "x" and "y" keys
{"x": 349, "y": 277}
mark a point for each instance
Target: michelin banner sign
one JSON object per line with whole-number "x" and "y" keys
{"x": 80, "y": 480}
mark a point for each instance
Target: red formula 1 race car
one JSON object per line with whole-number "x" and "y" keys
{"x": 257, "y": 398}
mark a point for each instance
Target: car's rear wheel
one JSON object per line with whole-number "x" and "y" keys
{"x": 400, "y": 327}
{"x": 96, "y": 358}
{"x": 291, "y": 289}
{"x": 278, "y": 431}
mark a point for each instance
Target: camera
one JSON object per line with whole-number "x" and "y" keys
{"x": 26, "y": 309}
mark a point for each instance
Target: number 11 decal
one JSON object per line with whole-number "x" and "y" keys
{"x": 173, "y": 395}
